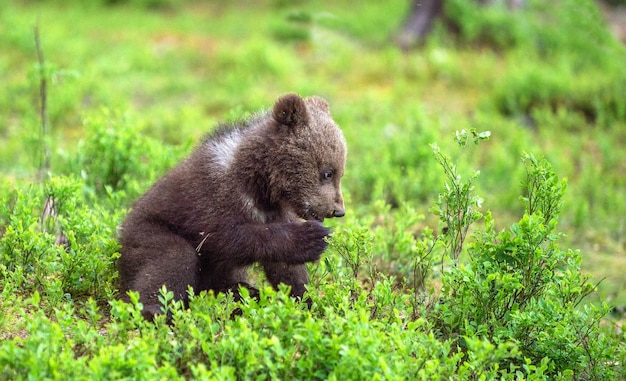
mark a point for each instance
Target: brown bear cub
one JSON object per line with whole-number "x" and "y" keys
{"x": 254, "y": 192}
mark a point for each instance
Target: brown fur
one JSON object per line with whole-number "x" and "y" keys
{"x": 253, "y": 192}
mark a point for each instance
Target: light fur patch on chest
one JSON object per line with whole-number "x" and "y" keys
{"x": 225, "y": 148}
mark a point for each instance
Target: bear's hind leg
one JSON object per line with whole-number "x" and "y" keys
{"x": 223, "y": 277}
{"x": 295, "y": 276}
{"x": 172, "y": 262}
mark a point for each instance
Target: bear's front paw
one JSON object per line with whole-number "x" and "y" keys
{"x": 310, "y": 242}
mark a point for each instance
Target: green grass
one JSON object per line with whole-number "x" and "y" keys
{"x": 133, "y": 88}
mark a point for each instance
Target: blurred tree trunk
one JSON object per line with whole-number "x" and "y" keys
{"x": 419, "y": 23}
{"x": 422, "y": 15}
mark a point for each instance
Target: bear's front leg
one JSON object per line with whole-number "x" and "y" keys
{"x": 295, "y": 276}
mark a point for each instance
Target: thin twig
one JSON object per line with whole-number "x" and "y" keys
{"x": 49, "y": 208}
{"x": 43, "y": 107}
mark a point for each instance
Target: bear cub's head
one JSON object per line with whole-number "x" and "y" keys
{"x": 303, "y": 159}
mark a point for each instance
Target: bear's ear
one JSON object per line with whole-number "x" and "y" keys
{"x": 318, "y": 103}
{"x": 290, "y": 111}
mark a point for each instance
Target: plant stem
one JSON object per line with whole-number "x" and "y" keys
{"x": 44, "y": 166}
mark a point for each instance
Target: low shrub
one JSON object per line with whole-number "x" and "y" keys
{"x": 518, "y": 286}
{"x": 509, "y": 305}
{"x": 57, "y": 242}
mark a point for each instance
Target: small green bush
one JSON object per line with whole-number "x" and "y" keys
{"x": 487, "y": 25}
{"x": 114, "y": 150}
{"x": 399, "y": 177}
{"x": 57, "y": 242}
{"x": 518, "y": 286}
{"x": 550, "y": 28}
{"x": 116, "y": 159}
{"x": 527, "y": 90}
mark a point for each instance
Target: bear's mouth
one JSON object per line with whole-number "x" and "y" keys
{"x": 315, "y": 218}
{"x": 312, "y": 217}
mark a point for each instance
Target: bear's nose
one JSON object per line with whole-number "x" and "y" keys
{"x": 339, "y": 213}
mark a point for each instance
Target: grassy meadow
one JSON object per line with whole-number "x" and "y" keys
{"x": 132, "y": 86}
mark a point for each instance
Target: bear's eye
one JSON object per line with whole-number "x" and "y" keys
{"x": 327, "y": 174}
